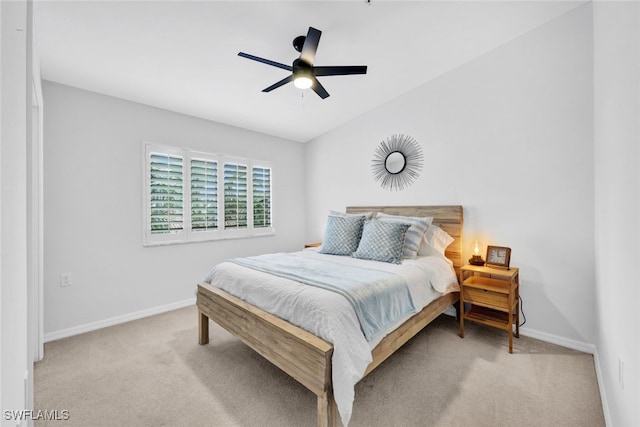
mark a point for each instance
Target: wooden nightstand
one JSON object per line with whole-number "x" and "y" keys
{"x": 312, "y": 245}
{"x": 494, "y": 296}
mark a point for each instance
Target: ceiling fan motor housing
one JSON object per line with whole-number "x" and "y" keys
{"x": 301, "y": 68}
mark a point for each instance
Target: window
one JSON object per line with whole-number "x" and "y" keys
{"x": 192, "y": 196}
{"x": 166, "y": 193}
{"x": 261, "y": 197}
{"x": 204, "y": 195}
{"x": 235, "y": 196}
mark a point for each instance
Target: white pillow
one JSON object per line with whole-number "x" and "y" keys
{"x": 435, "y": 241}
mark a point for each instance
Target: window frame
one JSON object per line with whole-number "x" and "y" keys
{"x": 188, "y": 235}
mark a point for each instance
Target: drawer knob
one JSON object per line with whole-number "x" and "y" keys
{"x": 484, "y": 290}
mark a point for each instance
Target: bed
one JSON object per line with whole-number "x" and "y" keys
{"x": 305, "y": 356}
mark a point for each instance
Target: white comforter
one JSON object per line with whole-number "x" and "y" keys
{"x": 329, "y": 315}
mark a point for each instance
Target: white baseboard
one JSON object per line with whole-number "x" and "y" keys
{"x": 451, "y": 311}
{"x": 64, "y": 333}
{"x": 603, "y": 394}
{"x": 564, "y": 342}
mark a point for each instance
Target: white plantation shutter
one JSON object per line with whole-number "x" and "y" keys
{"x": 261, "y": 181}
{"x": 166, "y": 213}
{"x": 235, "y": 196}
{"x": 204, "y": 195}
{"x": 195, "y": 196}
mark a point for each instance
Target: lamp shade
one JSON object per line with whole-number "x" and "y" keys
{"x": 476, "y": 253}
{"x": 476, "y": 248}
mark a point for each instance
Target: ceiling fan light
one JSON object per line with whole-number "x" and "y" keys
{"x": 302, "y": 82}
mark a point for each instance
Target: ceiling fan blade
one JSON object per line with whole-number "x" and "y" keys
{"x": 319, "y": 89}
{"x": 340, "y": 71}
{"x": 310, "y": 46}
{"x": 278, "y": 84}
{"x": 266, "y": 61}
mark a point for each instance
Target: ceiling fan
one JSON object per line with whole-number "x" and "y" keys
{"x": 303, "y": 72}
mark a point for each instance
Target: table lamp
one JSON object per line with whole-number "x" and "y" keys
{"x": 476, "y": 258}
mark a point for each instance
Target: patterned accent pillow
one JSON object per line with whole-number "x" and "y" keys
{"x": 415, "y": 233}
{"x": 382, "y": 241}
{"x": 342, "y": 234}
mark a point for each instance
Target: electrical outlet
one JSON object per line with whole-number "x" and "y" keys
{"x": 65, "y": 279}
{"x": 621, "y": 373}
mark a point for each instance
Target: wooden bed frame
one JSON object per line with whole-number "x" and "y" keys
{"x": 303, "y": 355}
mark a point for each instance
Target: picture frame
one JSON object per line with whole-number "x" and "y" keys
{"x": 498, "y": 256}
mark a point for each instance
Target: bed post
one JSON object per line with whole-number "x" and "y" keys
{"x": 326, "y": 410}
{"x": 203, "y": 328}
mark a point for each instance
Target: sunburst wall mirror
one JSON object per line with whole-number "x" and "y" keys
{"x": 397, "y": 162}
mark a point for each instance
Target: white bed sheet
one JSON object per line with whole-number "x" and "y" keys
{"x": 329, "y": 315}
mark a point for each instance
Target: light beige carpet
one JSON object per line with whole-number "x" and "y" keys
{"x": 151, "y": 372}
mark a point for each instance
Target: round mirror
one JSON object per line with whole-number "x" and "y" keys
{"x": 395, "y": 162}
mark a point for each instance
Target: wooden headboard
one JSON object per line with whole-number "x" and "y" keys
{"x": 449, "y": 218}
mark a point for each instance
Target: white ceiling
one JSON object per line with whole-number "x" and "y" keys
{"x": 182, "y": 56}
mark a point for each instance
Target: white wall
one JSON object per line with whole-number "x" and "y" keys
{"x": 508, "y": 136}
{"x": 93, "y": 207}
{"x": 617, "y": 204}
{"x": 15, "y": 364}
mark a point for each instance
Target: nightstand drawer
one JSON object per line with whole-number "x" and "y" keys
{"x": 487, "y": 298}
